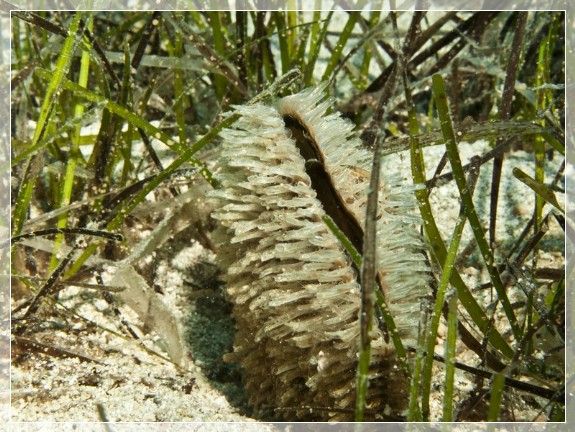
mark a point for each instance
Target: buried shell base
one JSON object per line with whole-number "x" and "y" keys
{"x": 295, "y": 293}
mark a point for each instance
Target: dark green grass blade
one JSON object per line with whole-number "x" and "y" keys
{"x": 467, "y": 202}
{"x": 436, "y": 314}
{"x": 439, "y": 251}
{"x": 450, "y": 358}
{"x": 542, "y": 191}
{"x": 341, "y": 43}
{"x": 497, "y": 387}
{"x": 55, "y": 80}
{"x": 314, "y": 54}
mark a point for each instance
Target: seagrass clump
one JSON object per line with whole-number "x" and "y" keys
{"x": 295, "y": 292}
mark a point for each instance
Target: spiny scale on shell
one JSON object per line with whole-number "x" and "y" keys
{"x": 295, "y": 293}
